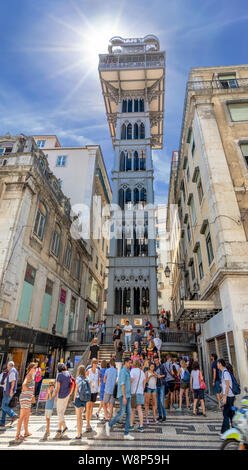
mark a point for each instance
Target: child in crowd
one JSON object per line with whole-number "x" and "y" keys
{"x": 49, "y": 408}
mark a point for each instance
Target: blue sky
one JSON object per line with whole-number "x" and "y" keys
{"x": 49, "y": 80}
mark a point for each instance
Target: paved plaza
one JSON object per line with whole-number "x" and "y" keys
{"x": 181, "y": 430}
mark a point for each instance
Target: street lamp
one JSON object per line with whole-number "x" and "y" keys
{"x": 167, "y": 270}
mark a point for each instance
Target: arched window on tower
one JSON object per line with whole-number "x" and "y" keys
{"x": 128, "y": 161}
{"x": 142, "y": 131}
{"x": 123, "y": 132}
{"x": 122, "y": 161}
{"x": 124, "y": 106}
{"x": 136, "y": 161}
{"x": 136, "y": 196}
{"x": 141, "y": 105}
{"x": 136, "y": 131}
{"x": 128, "y": 196}
{"x": 121, "y": 198}
{"x": 130, "y": 106}
{"x": 136, "y": 106}
{"x": 129, "y": 131}
{"x": 142, "y": 160}
{"x": 143, "y": 197}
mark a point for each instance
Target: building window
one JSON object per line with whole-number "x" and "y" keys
{"x": 136, "y": 131}
{"x": 5, "y": 150}
{"x": 188, "y": 174}
{"x": 77, "y": 266}
{"x": 193, "y": 211}
{"x": 124, "y": 106}
{"x": 96, "y": 262}
{"x": 27, "y": 293}
{"x": 46, "y": 305}
{"x": 209, "y": 245}
{"x": 130, "y": 106}
{"x": 199, "y": 259}
{"x": 238, "y": 111}
{"x": 55, "y": 246}
{"x": 193, "y": 271}
{"x": 103, "y": 241}
{"x": 227, "y": 80}
{"x": 193, "y": 148}
{"x": 68, "y": 253}
{"x": 244, "y": 150}
{"x": 101, "y": 270}
{"x": 129, "y": 131}
{"x": 189, "y": 135}
{"x": 157, "y": 243}
{"x": 200, "y": 189}
{"x": 123, "y": 132}
{"x": 61, "y": 160}
{"x": 188, "y": 233}
{"x": 40, "y": 221}
{"x": 142, "y": 131}
{"x": 41, "y": 143}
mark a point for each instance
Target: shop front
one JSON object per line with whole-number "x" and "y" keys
{"x": 23, "y": 345}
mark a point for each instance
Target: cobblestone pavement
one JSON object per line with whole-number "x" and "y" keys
{"x": 181, "y": 430}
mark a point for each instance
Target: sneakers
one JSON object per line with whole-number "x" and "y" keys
{"x": 131, "y": 428}
{"x": 160, "y": 418}
{"x": 107, "y": 429}
{"x": 164, "y": 419}
{"x": 128, "y": 437}
{"x": 140, "y": 429}
{"x": 155, "y": 420}
{"x": 147, "y": 421}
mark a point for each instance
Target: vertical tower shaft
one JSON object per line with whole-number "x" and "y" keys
{"x": 132, "y": 79}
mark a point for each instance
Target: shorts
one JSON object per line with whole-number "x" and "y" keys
{"x": 48, "y": 413}
{"x": 93, "y": 397}
{"x": 184, "y": 385}
{"x": 217, "y": 387}
{"x": 108, "y": 398}
{"x": 151, "y": 390}
{"x": 139, "y": 399}
{"x": 198, "y": 393}
{"x": 79, "y": 404}
{"x": 171, "y": 386}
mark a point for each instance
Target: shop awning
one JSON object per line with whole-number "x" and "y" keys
{"x": 197, "y": 311}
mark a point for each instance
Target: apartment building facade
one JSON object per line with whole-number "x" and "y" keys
{"x": 44, "y": 270}
{"x": 210, "y": 185}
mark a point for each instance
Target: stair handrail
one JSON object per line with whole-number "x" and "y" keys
{"x": 84, "y": 358}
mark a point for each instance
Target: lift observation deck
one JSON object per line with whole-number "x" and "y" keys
{"x": 134, "y": 66}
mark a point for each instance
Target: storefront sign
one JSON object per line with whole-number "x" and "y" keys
{"x": 62, "y": 296}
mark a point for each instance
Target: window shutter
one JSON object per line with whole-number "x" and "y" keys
{"x": 239, "y": 111}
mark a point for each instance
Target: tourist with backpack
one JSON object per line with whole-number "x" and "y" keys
{"x": 184, "y": 384}
{"x": 82, "y": 395}
{"x": 230, "y": 388}
{"x": 110, "y": 380}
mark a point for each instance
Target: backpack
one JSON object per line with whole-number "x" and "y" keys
{"x": 235, "y": 386}
{"x": 186, "y": 377}
{"x": 72, "y": 383}
{"x": 84, "y": 390}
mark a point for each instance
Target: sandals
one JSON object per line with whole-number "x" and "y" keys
{"x": 66, "y": 429}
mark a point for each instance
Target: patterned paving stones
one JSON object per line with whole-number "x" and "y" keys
{"x": 180, "y": 431}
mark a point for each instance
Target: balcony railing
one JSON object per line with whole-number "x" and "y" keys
{"x": 128, "y": 61}
{"x": 217, "y": 84}
{"x": 184, "y": 337}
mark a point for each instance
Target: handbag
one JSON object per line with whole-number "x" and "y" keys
{"x": 13, "y": 402}
{"x": 202, "y": 383}
{"x": 133, "y": 397}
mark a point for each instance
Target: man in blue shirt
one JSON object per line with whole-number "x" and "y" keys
{"x": 109, "y": 379}
{"x": 10, "y": 386}
{"x": 124, "y": 395}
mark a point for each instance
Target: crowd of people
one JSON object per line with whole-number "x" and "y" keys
{"x": 136, "y": 375}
